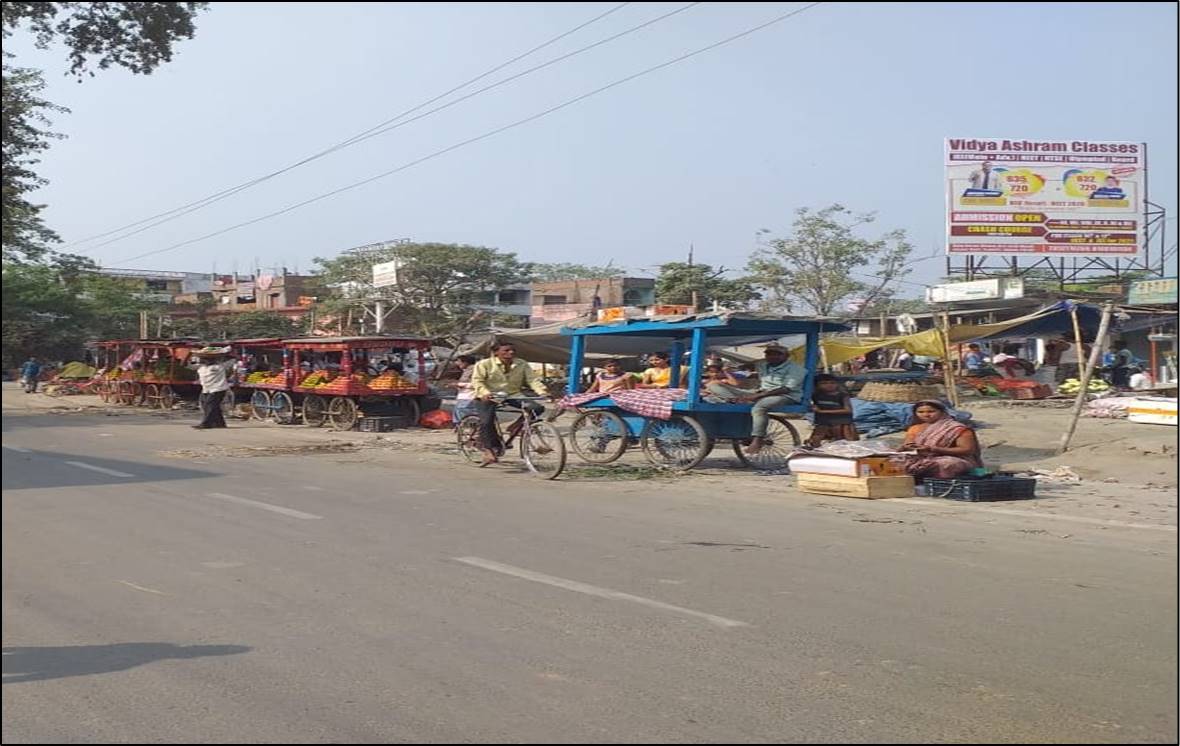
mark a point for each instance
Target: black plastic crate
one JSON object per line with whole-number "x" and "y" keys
{"x": 983, "y": 490}
{"x": 384, "y": 424}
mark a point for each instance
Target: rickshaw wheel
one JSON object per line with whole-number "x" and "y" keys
{"x": 781, "y": 439}
{"x": 314, "y": 408}
{"x": 151, "y": 395}
{"x": 408, "y": 407}
{"x": 599, "y": 437}
{"x": 678, "y": 443}
{"x": 343, "y": 413}
{"x": 167, "y": 397}
{"x": 260, "y": 405}
{"x": 282, "y": 407}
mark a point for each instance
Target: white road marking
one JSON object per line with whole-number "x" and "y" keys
{"x": 593, "y": 590}
{"x": 100, "y": 469}
{"x": 1033, "y": 514}
{"x": 141, "y": 588}
{"x": 267, "y": 506}
{"x": 18, "y": 449}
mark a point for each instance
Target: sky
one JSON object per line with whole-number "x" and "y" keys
{"x": 844, "y": 102}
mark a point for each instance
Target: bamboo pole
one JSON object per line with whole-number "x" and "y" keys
{"x": 1077, "y": 338}
{"x": 1088, "y": 370}
{"x": 948, "y": 372}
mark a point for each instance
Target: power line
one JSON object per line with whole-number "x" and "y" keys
{"x": 355, "y": 138}
{"x": 486, "y": 135}
{"x": 391, "y": 124}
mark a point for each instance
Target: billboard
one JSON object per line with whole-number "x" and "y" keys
{"x": 1161, "y": 292}
{"x": 385, "y": 274}
{"x": 1002, "y": 288}
{"x": 1045, "y": 197}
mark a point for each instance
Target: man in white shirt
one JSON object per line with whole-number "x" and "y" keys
{"x": 214, "y": 372}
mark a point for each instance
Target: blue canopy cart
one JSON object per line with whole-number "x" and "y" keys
{"x": 677, "y": 428}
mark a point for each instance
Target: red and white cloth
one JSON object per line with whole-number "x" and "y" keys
{"x": 655, "y": 403}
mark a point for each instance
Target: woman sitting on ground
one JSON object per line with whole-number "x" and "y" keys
{"x": 946, "y": 447}
{"x": 611, "y": 378}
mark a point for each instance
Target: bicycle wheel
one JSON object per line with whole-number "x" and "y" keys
{"x": 543, "y": 450}
{"x": 679, "y": 443}
{"x": 599, "y": 437}
{"x": 467, "y": 435}
{"x": 781, "y": 438}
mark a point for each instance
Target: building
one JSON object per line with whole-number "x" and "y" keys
{"x": 265, "y": 292}
{"x": 568, "y": 299}
{"x": 160, "y": 286}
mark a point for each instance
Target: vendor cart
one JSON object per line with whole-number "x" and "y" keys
{"x": 677, "y": 428}
{"x": 266, "y": 379}
{"x": 340, "y": 380}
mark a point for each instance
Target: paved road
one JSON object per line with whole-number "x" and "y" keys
{"x": 398, "y": 596}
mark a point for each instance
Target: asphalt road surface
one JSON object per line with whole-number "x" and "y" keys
{"x": 393, "y": 595}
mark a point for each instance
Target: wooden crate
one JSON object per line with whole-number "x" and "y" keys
{"x": 872, "y": 488}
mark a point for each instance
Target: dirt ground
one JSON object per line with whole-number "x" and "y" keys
{"x": 1115, "y": 471}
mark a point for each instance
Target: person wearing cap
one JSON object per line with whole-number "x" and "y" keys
{"x": 779, "y": 382}
{"x": 214, "y": 372}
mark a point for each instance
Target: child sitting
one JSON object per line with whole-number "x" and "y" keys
{"x": 833, "y": 412}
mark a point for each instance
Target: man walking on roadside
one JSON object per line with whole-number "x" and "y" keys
{"x": 214, "y": 372}
{"x": 28, "y": 374}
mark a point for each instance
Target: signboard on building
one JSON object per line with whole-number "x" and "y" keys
{"x": 1002, "y": 288}
{"x": 1045, "y": 197}
{"x": 1160, "y": 292}
{"x": 385, "y": 274}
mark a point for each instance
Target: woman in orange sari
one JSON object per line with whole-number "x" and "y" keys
{"x": 946, "y": 448}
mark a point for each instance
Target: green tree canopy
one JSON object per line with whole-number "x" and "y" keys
{"x": 825, "y": 260}
{"x": 677, "y": 281}
{"x": 437, "y": 284}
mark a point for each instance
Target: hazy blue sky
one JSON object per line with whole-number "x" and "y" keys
{"x": 846, "y": 102}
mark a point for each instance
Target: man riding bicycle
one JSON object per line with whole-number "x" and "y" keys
{"x": 502, "y": 377}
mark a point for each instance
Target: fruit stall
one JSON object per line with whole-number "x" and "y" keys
{"x": 342, "y": 380}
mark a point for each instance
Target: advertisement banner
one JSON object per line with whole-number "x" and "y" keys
{"x": 385, "y": 274}
{"x": 1045, "y": 197}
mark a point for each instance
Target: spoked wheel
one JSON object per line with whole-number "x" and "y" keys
{"x": 781, "y": 438}
{"x": 343, "y": 413}
{"x": 543, "y": 450}
{"x": 130, "y": 393}
{"x": 260, "y": 405}
{"x": 229, "y": 404}
{"x": 467, "y": 435}
{"x": 282, "y": 407}
{"x": 105, "y": 390}
{"x": 408, "y": 407}
{"x": 315, "y": 410}
{"x": 151, "y": 396}
{"x": 167, "y": 397}
{"x": 599, "y": 437}
{"x": 679, "y": 443}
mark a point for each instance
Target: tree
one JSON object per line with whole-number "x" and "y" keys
{"x": 25, "y": 136}
{"x": 677, "y": 281}
{"x": 560, "y": 272}
{"x": 437, "y": 284}
{"x": 135, "y": 35}
{"x": 817, "y": 263}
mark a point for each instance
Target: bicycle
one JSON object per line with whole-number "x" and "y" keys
{"x": 541, "y": 446}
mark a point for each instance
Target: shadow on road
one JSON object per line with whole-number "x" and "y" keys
{"x": 42, "y": 664}
{"x": 28, "y": 470}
